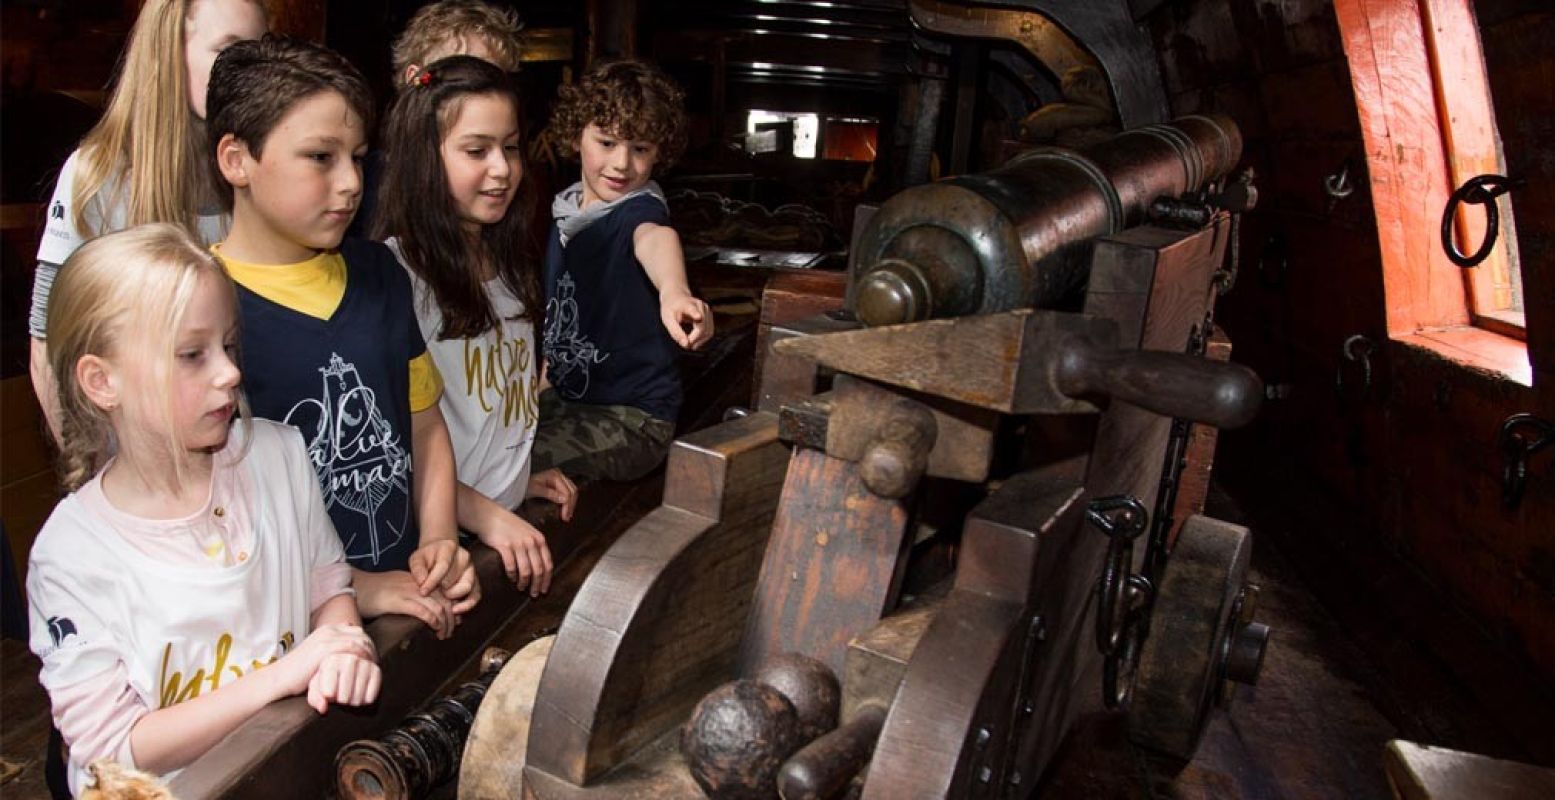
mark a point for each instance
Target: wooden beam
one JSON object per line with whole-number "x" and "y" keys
{"x": 1395, "y": 97}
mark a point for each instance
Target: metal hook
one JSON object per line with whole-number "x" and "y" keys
{"x": 1357, "y": 348}
{"x": 1522, "y": 435}
{"x": 1337, "y": 186}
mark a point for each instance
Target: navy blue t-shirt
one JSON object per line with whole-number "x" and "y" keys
{"x": 604, "y": 343}
{"x": 345, "y": 383}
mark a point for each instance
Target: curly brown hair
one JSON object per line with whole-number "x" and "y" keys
{"x": 629, "y": 98}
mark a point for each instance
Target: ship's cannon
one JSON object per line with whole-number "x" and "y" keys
{"x": 996, "y": 305}
{"x": 1021, "y": 235}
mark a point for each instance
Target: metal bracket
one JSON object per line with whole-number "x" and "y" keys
{"x": 1522, "y": 435}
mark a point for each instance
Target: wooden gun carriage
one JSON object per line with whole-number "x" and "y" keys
{"x": 991, "y": 319}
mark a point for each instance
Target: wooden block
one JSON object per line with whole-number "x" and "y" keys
{"x": 785, "y": 378}
{"x": 789, "y": 297}
{"x": 658, "y": 622}
{"x": 1419, "y": 772}
{"x": 877, "y": 658}
{"x": 833, "y": 564}
{"x": 959, "y": 678}
{"x": 1001, "y": 545}
{"x": 991, "y": 361}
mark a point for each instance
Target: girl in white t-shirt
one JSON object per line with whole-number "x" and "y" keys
{"x": 145, "y": 160}
{"x": 452, "y": 149}
{"x": 192, "y": 575}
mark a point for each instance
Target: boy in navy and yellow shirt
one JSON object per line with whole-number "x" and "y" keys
{"x": 331, "y": 344}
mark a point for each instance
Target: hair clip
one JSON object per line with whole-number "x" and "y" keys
{"x": 425, "y": 78}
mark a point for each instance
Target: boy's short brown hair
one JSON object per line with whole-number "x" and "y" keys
{"x": 254, "y": 83}
{"x": 631, "y": 99}
{"x": 460, "y": 21}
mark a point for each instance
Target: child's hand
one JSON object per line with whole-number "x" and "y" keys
{"x": 444, "y": 565}
{"x": 676, "y": 310}
{"x": 298, "y": 667}
{"x": 524, "y": 555}
{"x": 379, "y": 593}
{"x": 552, "y": 485}
{"x": 434, "y": 563}
{"x": 345, "y": 679}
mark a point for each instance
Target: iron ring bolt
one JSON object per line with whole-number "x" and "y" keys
{"x": 1522, "y": 435}
{"x": 1481, "y": 190}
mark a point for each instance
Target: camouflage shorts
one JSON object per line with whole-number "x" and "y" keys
{"x": 588, "y": 442}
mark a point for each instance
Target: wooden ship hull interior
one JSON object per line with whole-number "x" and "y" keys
{"x": 1100, "y": 407}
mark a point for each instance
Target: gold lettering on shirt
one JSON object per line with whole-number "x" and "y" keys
{"x": 497, "y": 375}
{"x": 175, "y": 689}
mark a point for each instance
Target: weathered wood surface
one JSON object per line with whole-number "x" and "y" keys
{"x": 877, "y": 658}
{"x": 1162, "y": 289}
{"x": 963, "y": 444}
{"x": 788, "y": 378}
{"x": 966, "y": 671}
{"x": 656, "y": 771}
{"x": 789, "y": 297}
{"x": 833, "y": 564}
{"x": 658, "y": 622}
{"x": 1044, "y": 362}
{"x": 1178, "y": 680}
{"x": 1390, "y": 70}
{"x": 973, "y": 360}
{"x": 958, "y": 678}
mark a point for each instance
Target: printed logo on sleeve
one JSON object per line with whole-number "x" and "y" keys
{"x": 57, "y": 210}
{"x": 60, "y": 628}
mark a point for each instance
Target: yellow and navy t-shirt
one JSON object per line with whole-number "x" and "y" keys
{"x": 331, "y": 347}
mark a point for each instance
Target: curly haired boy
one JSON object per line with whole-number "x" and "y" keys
{"x": 618, "y": 306}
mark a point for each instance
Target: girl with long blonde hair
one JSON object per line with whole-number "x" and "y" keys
{"x": 145, "y": 160}
{"x": 192, "y": 575}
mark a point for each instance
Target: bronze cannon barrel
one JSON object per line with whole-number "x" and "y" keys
{"x": 1020, "y": 235}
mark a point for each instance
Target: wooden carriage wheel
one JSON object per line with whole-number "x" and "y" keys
{"x": 1181, "y": 670}
{"x": 496, "y": 750}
